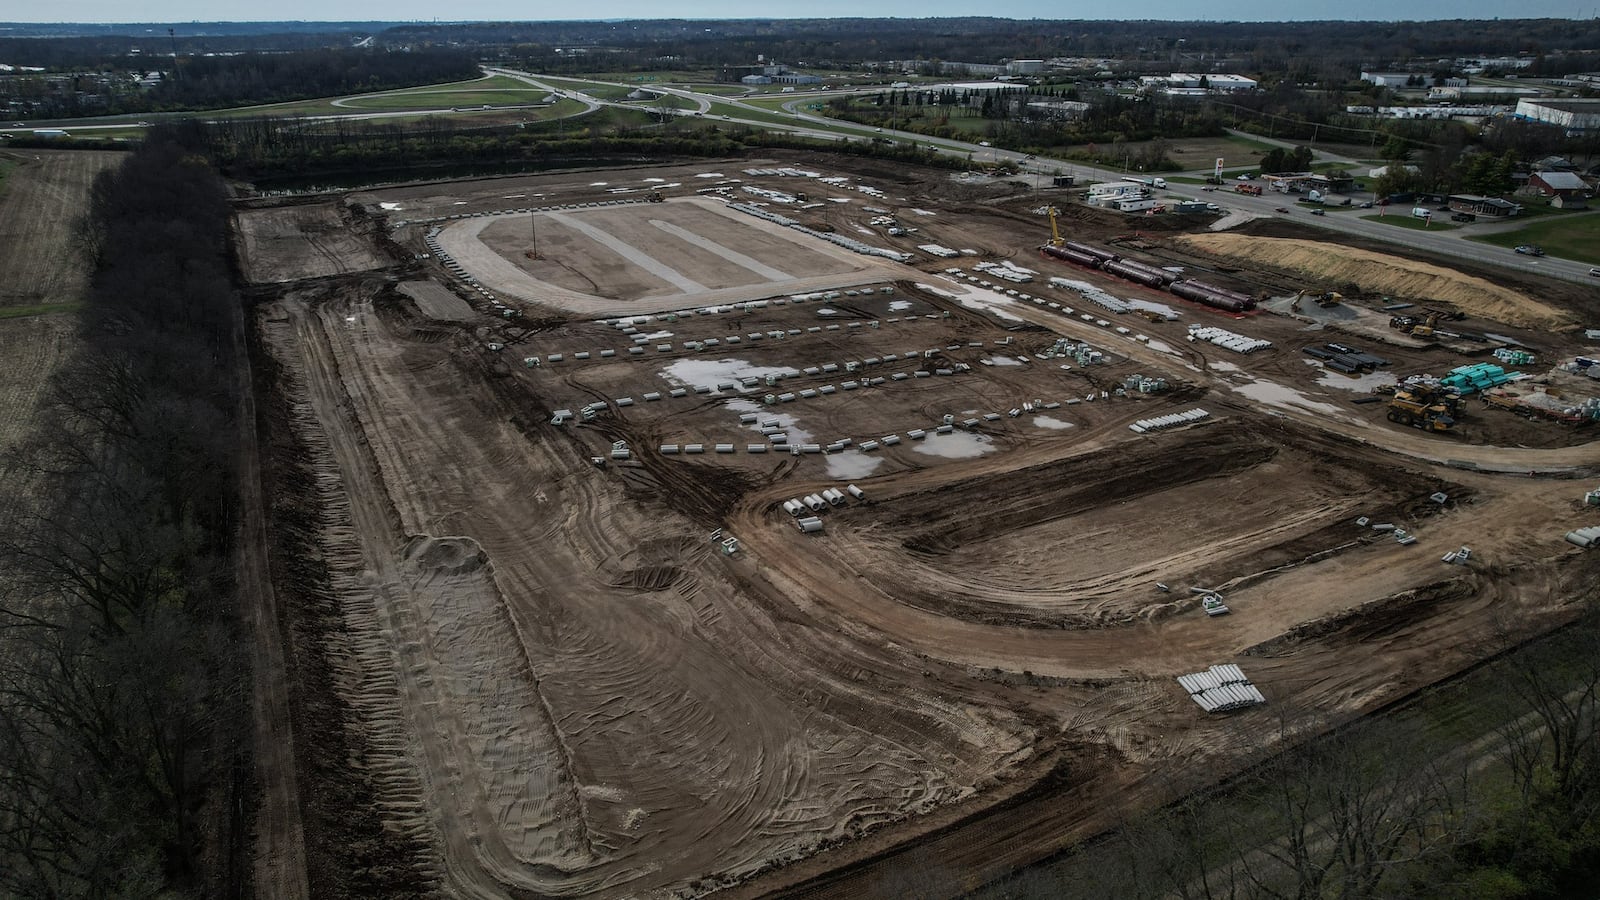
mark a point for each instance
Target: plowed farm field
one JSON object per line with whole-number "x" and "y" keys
{"x": 578, "y": 642}
{"x": 45, "y": 198}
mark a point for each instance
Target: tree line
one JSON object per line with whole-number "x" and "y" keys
{"x": 210, "y": 82}
{"x": 1493, "y": 794}
{"x": 269, "y": 151}
{"x": 1031, "y": 120}
{"x": 219, "y": 82}
{"x": 123, "y": 711}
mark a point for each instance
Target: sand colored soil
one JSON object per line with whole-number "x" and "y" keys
{"x": 1380, "y": 272}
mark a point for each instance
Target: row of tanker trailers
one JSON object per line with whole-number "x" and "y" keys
{"x": 1151, "y": 276}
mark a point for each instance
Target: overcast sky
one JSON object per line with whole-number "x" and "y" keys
{"x": 429, "y": 10}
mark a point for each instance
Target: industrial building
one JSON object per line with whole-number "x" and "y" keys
{"x": 1025, "y": 66}
{"x": 1388, "y": 79}
{"x": 1573, "y": 115}
{"x": 1053, "y": 108}
{"x": 1181, "y": 83}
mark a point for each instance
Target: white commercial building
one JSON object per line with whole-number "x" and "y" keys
{"x": 1573, "y": 115}
{"x": 1388, "y": 79}
{"x": 1189, "y": 82}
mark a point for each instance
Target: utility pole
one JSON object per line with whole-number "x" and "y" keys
{"x": 173, "y": 37}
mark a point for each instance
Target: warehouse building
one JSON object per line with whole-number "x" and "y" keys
{"x": 1573, "y": 115}
{"x": 1187, "y": 83}
{"x": 1388, "y": 79}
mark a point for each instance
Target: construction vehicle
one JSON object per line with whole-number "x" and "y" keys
{"x": 1430, "y": 407}
{"x": 654, "y": 197}
{"x": 1055, "y": 233}
{"x": 1323, "y": 299}
{"x": 1416, "y": 326}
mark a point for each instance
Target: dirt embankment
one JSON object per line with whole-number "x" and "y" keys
{"x": 1384, "y": 274}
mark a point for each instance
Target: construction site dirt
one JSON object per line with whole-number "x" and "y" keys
{"x": 551, "y": 630}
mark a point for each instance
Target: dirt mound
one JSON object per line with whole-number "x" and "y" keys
{"x": 1382, "y": 273}
{"x": 444, "y": 556}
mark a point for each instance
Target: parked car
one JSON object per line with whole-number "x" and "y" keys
{"x": 1529, "y": 249}
{"x": 1366, "y": 204}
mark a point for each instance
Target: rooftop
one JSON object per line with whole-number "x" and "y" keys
{"x": 1588, "y": 106}
{"x": 1562, "y": 181}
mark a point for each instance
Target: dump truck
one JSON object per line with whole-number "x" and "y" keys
{"x": 1425, "y": 406}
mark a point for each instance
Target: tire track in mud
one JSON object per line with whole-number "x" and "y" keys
{"x": 427, "y": 652}
{"x": 677, "y": 706}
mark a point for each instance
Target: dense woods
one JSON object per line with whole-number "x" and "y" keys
{"x": 272, "y": 151}
{"x": 213, "y": 82}
{"x": 823, "y": 42}
{"x": 123, "y": 715}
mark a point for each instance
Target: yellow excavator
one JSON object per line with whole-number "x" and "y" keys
{"x": 1323, "y": 299}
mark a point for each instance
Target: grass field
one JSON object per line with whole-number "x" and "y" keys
{"x": 670, "y": 101}
{"x": 446, "y": 97}
{"x": 1570, "y": 237}
{"x": 1409, "y": 221}
{"x": 38, "y": 309}
{"x": 721, "y": 90}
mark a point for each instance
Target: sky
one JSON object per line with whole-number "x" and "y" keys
{"x": 502, "y": 10}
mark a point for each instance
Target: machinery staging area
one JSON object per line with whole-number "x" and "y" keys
{"x": 540, "y": 445}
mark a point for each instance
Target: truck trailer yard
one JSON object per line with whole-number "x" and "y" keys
{"x": 571, "y": 656}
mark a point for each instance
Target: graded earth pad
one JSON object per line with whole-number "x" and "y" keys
{"x": 555, "y": 676}
{"x": 1381, "y": 273}
{"x": 286, "y": 243}
{"x": 646, "y": 256}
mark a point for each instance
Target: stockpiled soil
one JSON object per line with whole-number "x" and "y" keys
{"x": 1385, "y": 274}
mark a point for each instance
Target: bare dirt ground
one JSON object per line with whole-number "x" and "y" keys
{"x": 548, "y": 679}
{"x": 41, "y": 205}
{"x": 277, "y": 244}
{"x": 31, "y": 346}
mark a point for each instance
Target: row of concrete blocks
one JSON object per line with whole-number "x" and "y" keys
{"x": 510, "y": 211}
